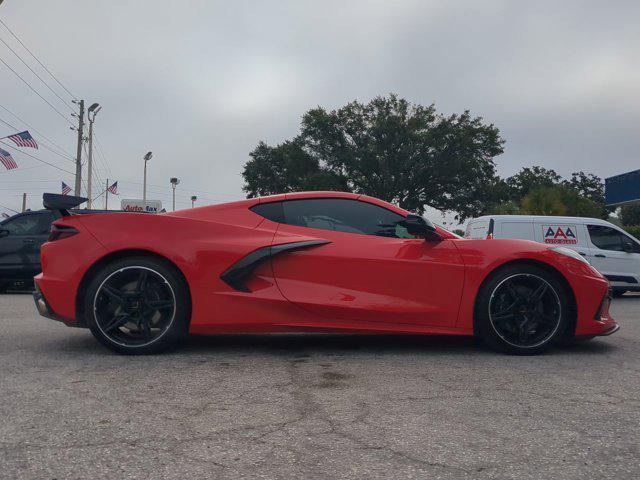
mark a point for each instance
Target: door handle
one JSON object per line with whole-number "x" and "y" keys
{"x": 29, "y": 240}
{"x": 599, "y": 255}
{"x": 583, "y": 254}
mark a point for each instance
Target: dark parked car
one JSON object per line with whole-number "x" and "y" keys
{"x": 20, "y": 239}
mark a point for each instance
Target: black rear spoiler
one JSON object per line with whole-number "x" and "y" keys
{"x": 61, "y": 203}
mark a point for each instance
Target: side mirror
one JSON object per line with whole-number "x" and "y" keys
{"x": 628, "y": 247}
{"x": 4, "y": 233}
{"x": 420, "y": 227}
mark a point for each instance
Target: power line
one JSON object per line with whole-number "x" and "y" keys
{"x": 36, "y": 92}
{"x": 14, "y": 115}
{"x": 100, "y": 151}
{"x": 96, "y": 179}
{"x": 65, "y": 157}
{"x": 8, "y": 172}
{"x": 4, "y": 206}
{"x": 37, "y": 59}
{"x": 34, "y": 72}
{"x": 36, "y": 158}
{"x": 184, "y": 187}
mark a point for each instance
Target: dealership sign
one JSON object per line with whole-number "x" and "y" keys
{"x": 560, "y": 234}
{"x": 622, "y": 188}
{"x": 150, "y": 206}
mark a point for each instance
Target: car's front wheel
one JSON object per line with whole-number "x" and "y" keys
{"x": 138, "y": 305}
{"x": 522, "y": 309}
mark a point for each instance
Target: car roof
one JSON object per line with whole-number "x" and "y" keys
{"x": 549, "y": 218}
{"x": 249, "y": 202}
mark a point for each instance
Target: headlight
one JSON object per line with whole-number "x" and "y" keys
{"x": 570, "y": 253}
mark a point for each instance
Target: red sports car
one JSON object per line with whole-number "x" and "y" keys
{"x": 317, "y": 261}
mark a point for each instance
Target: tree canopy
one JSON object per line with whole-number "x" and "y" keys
{"x": 388, "y": 148}
{"x": 630, "y": 215}
{"x": 540, "y": 191}
{"x": 415, "y": 157}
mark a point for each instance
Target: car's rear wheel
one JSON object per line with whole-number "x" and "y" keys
{"x": 522, "y": 309}
{"x": 138, "y": 305}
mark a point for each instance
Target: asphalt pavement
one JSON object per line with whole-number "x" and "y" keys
{"x": 315, "y": 406}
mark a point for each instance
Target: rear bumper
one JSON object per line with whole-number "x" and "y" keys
{"x": 44, "y": 308}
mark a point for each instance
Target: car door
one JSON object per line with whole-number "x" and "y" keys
{"x": 615, "y": 255}
{"x": 22, "y": 237}
{"x": 371, "y": 271}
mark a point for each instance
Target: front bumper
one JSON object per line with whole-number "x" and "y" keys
{"x": 612, "y": 329}
{"x": 602, "y": 323}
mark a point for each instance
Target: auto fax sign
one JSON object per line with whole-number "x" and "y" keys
{"x": 560, "y": 234}
{"x": 150, "y": 206}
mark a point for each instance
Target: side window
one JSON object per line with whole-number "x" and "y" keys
{"x": 606, "y": 238}
{"x": 343, "y": 215}
{"x": 27, "y": 225}
{"x": 271, "y": 211}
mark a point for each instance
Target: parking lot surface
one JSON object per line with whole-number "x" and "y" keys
{"x": 315, "y": 406}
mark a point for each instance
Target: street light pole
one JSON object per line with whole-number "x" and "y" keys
{"x": 174, "y": 182}
{"x": 147, "y": 157}
{"x": 93, "y": 109}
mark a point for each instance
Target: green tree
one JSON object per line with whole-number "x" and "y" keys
{"x": 630, "y": 214}
{"x": 544, "y": 200}
{"x": 286, "y": 168}
{"x": 388, "y": 148}
{"x": 587, "y": 185}
{"x": 559, "y": 200}
{"x": 531, "y": 178}
{"x": 505, "y": 208}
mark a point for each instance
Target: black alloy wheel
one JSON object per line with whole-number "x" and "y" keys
{"x": 137, "y": 306}
{"x": 522, "y": 310}
{"x": 525, "y": 310}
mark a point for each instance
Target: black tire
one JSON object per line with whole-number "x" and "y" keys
{"x": 138, "y": 306}
{"x": 522, "y": 310}
{"x": 618, "y": 292}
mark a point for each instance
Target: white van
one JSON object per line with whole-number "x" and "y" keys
{"x": 611, "y": 250}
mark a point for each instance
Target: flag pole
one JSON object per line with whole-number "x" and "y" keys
{"x": 106, "y": 195}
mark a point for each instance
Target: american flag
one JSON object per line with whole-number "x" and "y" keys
{"x": 7, "y": 160}
{"x": 66, "y": 189}
{"x": 113, "y": 188}
{"x": 23, "y": 139}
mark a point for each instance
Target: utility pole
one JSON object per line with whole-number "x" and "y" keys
{"x": 106, "y": 194}
{"x": 174, "y": 182}
{"x": 79, "y": 152}
{"x": 24, "y": 202}
{"x": 146, "y": 158}
{"x": 95, "y": 108}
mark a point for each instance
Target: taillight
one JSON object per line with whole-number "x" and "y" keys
{"x": 58, "y": 232}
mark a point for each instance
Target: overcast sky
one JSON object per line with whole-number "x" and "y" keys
{"x": 200, "y": 83}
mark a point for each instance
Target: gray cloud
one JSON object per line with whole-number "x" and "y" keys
{"x": 201, "y": 82}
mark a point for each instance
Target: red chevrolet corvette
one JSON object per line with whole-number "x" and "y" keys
{"x": 317, "y": 261}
